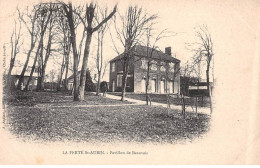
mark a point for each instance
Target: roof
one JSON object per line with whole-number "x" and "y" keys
{"x": 72, "y": 76}
{"x": 141, "y": 51}
{"x": 18, "y": 70}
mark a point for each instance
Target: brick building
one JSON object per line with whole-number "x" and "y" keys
{"x": 164, "y": 72}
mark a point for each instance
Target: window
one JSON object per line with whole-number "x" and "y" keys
{"x": 35, "y": 81}
{"x": 144, "y": 63}
{"x": 113, "y": 67}
{"x": 119, "y": 80}
{"x": 154, "y": 66}
{"x": 163, "y": 69}
{"x": 163, "y": 63}
{"x": 171, "y": 66}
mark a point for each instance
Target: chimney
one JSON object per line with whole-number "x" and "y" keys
{"x": 168, "y": 50}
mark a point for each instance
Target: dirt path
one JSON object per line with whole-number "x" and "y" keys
{"x": 173, "y": 106}
{"x": 134, "y": 102}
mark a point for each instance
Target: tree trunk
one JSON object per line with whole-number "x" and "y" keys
{"x": 13, "y": 55}
{"x": 44, "y": 64}
{"x": 75, "y": 71}
{"x": 183, "y": 106}
{"x": 61, "y": 73}
{"x": 147, "y": 83}
{"x": 125, "y": 73}
{"x": 42, "y": 79}
{"x": 196, "y": 106}
{"x": 74, "y": 48}
{"x": 208, "y": 88}
{"x": 9, "y": 82}
{"x": 24, "y": 69}
{"x": 66, "y": 77}
{"x": 207, "y": 73}
{"x": 67, "y": 68}
{"x": 125, "y": 70}
{"x": 98, "y": 83}
{"x": 33, "y": 68}
{"x": 40, "y": 47}
{"x": 84, "y": 66}
{"x": 11, "y": 66}
{"x": 124, "y": 81}
{"x": 99, "y": 57}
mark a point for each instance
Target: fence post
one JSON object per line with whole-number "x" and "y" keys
{"x": 196, "y": 106}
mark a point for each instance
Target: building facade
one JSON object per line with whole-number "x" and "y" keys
{"x": 164, "y": 75}
{"x": 15, "y": 75}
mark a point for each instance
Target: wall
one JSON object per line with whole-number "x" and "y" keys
{"x": 141, "y": 73}
{"x": 134, "y": 84}
{"x": 119, "y": 70}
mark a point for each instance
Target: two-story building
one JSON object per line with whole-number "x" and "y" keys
{"x": 164, "y": 71}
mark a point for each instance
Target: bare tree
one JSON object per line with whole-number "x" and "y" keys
{"x": 69, "y": 14}
{"x": 15, "y": 49}
{"x": 150, "y": 55}
{"x": 88, "y": 25}
{"x": 52, "y": 77}
{"x": 133, "y": 27}
{"x": 43, "y": 60}
{"x": 64, "y": 44}
{"x": 30, "y": 24}
{"x": 100, "y": 64}
{"x": 204, "y": 51}
{"x": 186, "y": 71}
{"x": 15, "y": 46}
{"x": 44, "y": 14}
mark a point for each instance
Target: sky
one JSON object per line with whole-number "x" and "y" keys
{"x": 227, "y": 21}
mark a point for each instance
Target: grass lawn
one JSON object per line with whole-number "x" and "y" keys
{"x": 110, "y": 124}
{"x": 162, "y": 98}
{"x": 122, "y": 123}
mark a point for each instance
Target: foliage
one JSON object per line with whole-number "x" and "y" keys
{"x": 103, "y": 86}
{"x": 89, "y": 85}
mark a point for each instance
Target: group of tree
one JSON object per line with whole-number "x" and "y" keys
{"x": 54, "y": 27}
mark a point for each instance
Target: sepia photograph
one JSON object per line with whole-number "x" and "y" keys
{"x": 130, "y": 82}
